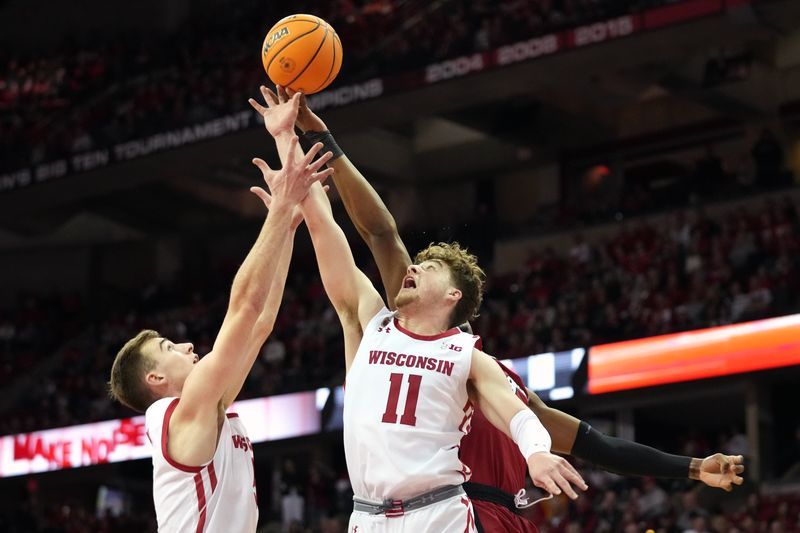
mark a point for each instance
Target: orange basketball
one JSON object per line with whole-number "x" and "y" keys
{"x": 302, "y": 52}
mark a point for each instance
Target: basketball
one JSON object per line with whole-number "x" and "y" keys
{"x": 303, "y": 53}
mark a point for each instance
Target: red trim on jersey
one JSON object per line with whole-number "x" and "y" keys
{"x": 164, "y": 428}
{"x": 232, "y": 415}
{"x": 468, "y": 410}
{"x": 470, "y": 518}
{"x": 212, "y": 476}
{"x": 201, "y": 502}
{"x": 449, "y": 333}
{"x": 478, "y": 342}
{"x": 523, "y": 390}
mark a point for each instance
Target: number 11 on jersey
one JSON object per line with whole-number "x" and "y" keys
{"x": 409, "y": 417}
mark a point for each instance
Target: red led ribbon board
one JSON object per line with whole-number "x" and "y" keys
{"x": 698, "y": 354}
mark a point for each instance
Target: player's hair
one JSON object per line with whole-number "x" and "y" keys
{"x": 467, "y": 276}
{"x": 127, "y": 384}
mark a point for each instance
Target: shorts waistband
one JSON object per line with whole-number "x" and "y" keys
{"x": 487, "y": 493}
{"x": 390, "y": 507}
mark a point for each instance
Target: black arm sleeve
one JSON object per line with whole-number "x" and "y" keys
{"x": 625, "y": 457}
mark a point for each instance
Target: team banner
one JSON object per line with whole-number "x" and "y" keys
{"x": 699, "y": 354}
{"x": 267, "y": 419}
{"x": 457, "y": 67}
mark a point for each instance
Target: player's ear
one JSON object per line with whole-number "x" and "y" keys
{"x": 154, "y": 378}
{"x": 454, "y": 294}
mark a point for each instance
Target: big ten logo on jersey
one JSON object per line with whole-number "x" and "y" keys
{"x": 450, "y": 346}
{"x": 277, "y": 36}
{"x": 241, "y": 442}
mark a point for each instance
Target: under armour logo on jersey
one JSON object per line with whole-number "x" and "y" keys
{"x": 355, "y": 529}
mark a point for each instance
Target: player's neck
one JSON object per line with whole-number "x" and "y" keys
{"x": 422, "y": 323}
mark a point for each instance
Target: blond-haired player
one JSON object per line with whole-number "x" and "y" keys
{"x": 412, "y": 376}
{"x": 203, "y": 477}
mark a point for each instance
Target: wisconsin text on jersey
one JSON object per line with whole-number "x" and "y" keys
{"x": 382, "y": 357}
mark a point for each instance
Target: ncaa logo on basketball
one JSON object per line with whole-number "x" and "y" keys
{"x": 277, "y": 36}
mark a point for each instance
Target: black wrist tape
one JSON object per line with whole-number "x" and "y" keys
{"x": 327, "y": 140}
{"x": 625, "y": 457}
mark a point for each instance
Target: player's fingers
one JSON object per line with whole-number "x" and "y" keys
{"x": 262, "y": 165}
{"x": 295, "y": 101}
{"x": 326, "y": 188}
{"x": 545, "y": 483}
{"x": 738, "y": 469}
{"x": 321, "y": 175}
{"x": 724, "y": 463}
{"x": 269, "y": 96}
{"x": 260, "y": 109}
{"x": 565, "y": 486}
{"x": 262, "y": 194}
{"x": 573, "y": 476}
{"x": 312, "y": 153}
{"x": 737, "y": 459}
{"x": 316, "y": 165}
{"x": 738, "y": 480}
{"x": 283, "y": 94}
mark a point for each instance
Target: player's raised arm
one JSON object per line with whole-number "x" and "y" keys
{"x": 366, "y": 209}
{"x": 577, "y": 438}
{"x": 510, "y": 415}
{"x": 355, "y": 299}
{"x": 246, "y": 325}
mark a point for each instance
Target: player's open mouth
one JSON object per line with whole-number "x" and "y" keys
{"x": 409, "y": 283}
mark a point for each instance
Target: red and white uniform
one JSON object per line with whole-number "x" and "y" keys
{"x": 497, "y": 462}
{"x": 214, "y": 498}
{"x": 405, "y": 411}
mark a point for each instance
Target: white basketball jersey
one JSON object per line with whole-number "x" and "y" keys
{"x": 219, "y": 497}
{"x": 406, "y": 409}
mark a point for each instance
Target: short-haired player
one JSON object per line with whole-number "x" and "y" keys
{"x": 203, "y": 478}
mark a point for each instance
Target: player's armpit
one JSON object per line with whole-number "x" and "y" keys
{"x": 563, "y": 428}
{"x": 491, "y": 392}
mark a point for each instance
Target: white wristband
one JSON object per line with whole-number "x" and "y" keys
{"x": 529, "y": 433}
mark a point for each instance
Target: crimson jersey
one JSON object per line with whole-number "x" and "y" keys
{"x": 495, "y": 459}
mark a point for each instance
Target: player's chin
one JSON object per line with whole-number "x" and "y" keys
{"x": 405, "y": 297}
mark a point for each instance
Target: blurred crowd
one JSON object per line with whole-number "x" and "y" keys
{"x": 86, "y": 95}
{"x": 695, "y": 271}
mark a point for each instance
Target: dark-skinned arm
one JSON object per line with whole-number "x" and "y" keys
{"x": 364, "y": 206}
{"x": 577, "y": 438}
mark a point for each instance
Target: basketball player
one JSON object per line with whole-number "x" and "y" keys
{"x": 412, "y": 377}
{"x": 498, "y": 470}
{"x": 203, "y": 478}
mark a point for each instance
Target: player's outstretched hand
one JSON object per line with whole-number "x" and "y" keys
{"x": 554, "y": 474}
{"x": 279, "y": 117}
{"x": 307, "y": 120}
{"x": 290, "y": 184}
{"x": 297, "y": 214}
{"x": 722, "y": 471}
